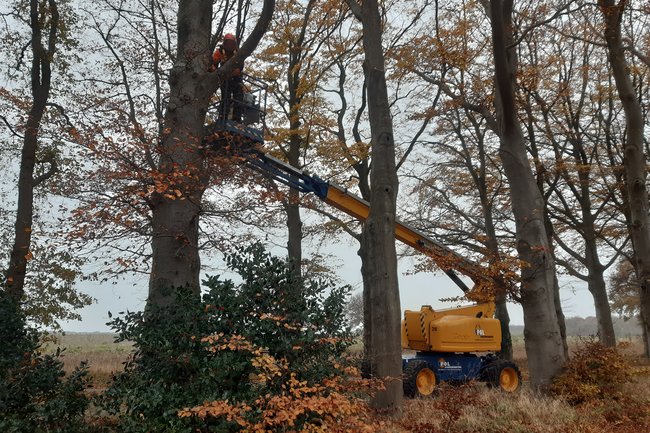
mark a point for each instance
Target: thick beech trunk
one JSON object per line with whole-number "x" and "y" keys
{"x": 382, "y": 312}
{"x": 540, "y": 179}
{"x": 634, "y": 158}
{"x": 175, "y": 212}
{"x": 177, "y": 207}
{"x": 544, "y": 346}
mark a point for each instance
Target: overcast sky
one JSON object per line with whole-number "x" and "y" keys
{"x": 415, "y": 291}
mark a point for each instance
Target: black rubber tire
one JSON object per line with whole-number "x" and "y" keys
{"x": 502, "y": 375}
{"x": 410, "y": 374}
{"x": 364, "y": 367}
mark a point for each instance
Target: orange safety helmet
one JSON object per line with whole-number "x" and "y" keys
{"x": 229, "y": 37}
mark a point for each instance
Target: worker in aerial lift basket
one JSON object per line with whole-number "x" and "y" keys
{"x": 231, "y": 88}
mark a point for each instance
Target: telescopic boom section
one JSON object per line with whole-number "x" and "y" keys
{"x": 357, "y": 207}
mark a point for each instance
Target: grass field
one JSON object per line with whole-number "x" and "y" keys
{"x": 99, "y": 350}
{"x": 471, "y": 408}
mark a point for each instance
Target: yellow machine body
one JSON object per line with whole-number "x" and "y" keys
{"x": 464, "y": 329}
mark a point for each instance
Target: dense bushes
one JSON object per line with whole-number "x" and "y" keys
{"x": 598, "y": 377}
{"x": 594, "y": 372}
{"x": 34, "y": 396}
{"x": 242, "y": 346}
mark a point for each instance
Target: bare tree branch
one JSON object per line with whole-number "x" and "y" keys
{"x": 11, "y": 128}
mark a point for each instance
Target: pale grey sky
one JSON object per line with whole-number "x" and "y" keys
{"x": 415, "y": 291}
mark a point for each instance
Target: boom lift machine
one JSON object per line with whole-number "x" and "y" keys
{"x": 451, "y": 345}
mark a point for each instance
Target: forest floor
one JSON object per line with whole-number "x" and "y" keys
{"x": 470, "y": 408}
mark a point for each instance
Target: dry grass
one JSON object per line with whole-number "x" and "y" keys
{"x": 469, "y": 409}
{"x": 522, "y": 412}
{"x": 99, "y": 350}
{"x": 490, "y": 411}
{"x": 486, "y": 411}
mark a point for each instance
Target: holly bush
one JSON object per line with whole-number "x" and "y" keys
{"x": 240, "y": 341}
{"x": 34, "y": 394}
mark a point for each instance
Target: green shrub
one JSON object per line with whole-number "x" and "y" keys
{"x": 235, "y": 343}
{"x": 34, "y": 395}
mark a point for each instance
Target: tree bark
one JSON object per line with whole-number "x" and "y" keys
{"x": 175, "y": 215}
{"x": 292, "y": 204}
{"x": 596, "y": 280}
{"x": 382, "y": 312}
{"x": 595, "y": 269}
{"x": 598, "y": 289}
{"x": 544, "y": 346}
{"x": 41, "y": 75}
{"x": 561, "y": 322}
{"x": 541, "y": 179}
{"x": 502, "y": 314}
{"x": 176, "y": 209}
{"x": 634, "y": 161}
{"x": 292, "y": 207}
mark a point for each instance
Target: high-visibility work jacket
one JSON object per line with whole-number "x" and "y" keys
{"x": 220, "y": 56}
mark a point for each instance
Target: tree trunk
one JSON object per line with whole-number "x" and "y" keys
{"x": 540, "y": 179}
{"x": 561, "y": 323}
{"x": 501, "y": 313}
{"x": 382, "y": 312}
{"x": 634, "y": 158}
{"x": 550, "y": 233}
{"x": 292, "y": 204}
{"x": 292, "y": 207}
{"x": 176, "y": 210}
{"x": 41, "y": 74}
{"x": 598, "y": 288}
{"x": 544, "y": 346}
{"x": 595, "y": 270}
{"x": 645, "y": 334}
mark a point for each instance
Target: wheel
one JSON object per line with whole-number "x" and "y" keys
{"x": 365, "y": 369}
{"x": 503, "y": 375}
{"x": 419, "y": 379}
